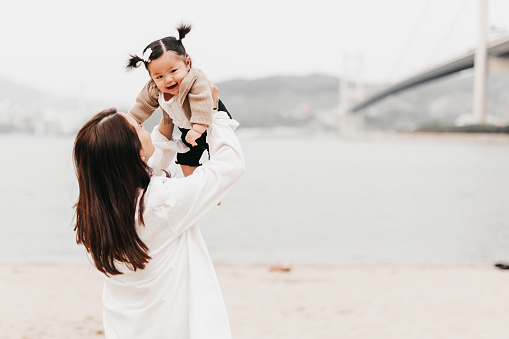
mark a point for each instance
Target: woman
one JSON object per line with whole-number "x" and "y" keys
{"x": 140, "y": 228}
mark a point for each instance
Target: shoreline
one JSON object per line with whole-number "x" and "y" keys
{"x": 437, "y": 136}
{"x": 350, "y": 301}
{"x": 298, "y": 132}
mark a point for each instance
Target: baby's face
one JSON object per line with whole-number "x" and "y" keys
{"x": 168, "y": 71}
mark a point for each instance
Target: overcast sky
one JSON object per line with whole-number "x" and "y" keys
{"x": 80, "y": 48}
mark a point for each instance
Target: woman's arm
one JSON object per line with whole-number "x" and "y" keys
{"x": 165, "y": 146}
{"x": 190, "y": 198}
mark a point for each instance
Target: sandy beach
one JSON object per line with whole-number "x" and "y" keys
{"x": 64, "y": 301}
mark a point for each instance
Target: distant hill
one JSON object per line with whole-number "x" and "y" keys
{"x": 279, "y": 100}
{"x": 23, "y": 96}
{"x": 10, "y": 90}
{"x": 25, "y": 109}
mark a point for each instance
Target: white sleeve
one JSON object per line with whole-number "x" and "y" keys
{"x": 188, "y": 199}
{"x": 164, "y": 151}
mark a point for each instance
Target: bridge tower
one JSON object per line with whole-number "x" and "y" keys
{"x": 351, "y": 92}
{"x": 481, "y": 65}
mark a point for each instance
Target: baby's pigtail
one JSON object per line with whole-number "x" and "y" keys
{"x": 183, "y": 29}
{"x": 133, "y": 62}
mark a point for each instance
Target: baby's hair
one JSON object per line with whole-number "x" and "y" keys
{"x": 157, "y": 48}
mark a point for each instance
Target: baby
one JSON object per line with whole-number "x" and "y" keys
{"x": 185, "y": 95}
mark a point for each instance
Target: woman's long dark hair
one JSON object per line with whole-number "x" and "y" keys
{"x": 111, "y": 176}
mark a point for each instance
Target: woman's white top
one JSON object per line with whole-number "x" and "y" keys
{"x": 177, "y": 295}
{"x": 174, "y": 109}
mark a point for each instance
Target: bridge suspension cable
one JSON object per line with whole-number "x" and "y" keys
{"x": 446, "y": 37}
{"x": 411, "y": 39}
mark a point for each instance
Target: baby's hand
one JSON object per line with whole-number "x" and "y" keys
{"x": 191, "y": 137}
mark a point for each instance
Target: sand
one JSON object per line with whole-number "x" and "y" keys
{"x": 64, "y": 301}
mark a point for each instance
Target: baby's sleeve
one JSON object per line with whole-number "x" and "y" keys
{"x": 201, "y": 101}
{"x": 146, "y": 103}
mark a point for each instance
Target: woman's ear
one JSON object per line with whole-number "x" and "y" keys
{"x": 142, "y": 156}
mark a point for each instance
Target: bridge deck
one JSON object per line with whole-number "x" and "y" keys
{"x": 498, "y": 48}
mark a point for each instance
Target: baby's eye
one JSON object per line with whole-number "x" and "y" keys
{"x": 173, "y": 71}
{"x": 159, "y": 77}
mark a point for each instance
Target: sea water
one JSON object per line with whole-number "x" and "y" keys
{"x": 303, "y": 199}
